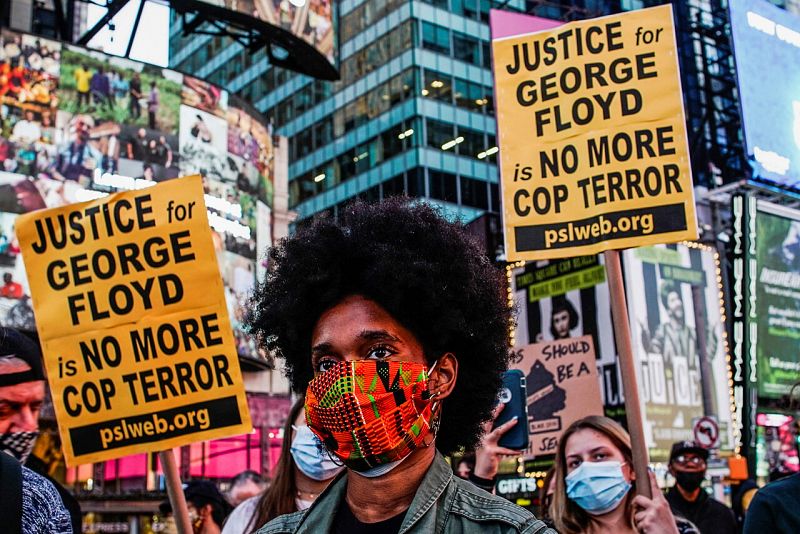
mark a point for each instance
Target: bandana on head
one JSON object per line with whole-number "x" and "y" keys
{"x": 18, "y": 444}
{"x": 369, "y": 412}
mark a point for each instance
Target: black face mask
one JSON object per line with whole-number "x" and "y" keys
{"x": 690, "y": 480}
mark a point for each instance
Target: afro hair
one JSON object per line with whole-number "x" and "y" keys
{"x": 425, "y": 271}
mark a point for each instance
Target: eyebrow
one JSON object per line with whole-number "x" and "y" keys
{"x": 600, "y": 448}
{"x": 365, "y": 335}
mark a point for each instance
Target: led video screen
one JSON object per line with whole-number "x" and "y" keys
{"x": 76, "y": 124}
{"x": 767, "y": 49}
{"x": 777, "y": 304}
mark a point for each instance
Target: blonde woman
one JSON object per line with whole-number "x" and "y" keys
{"x": 595, "y": 485}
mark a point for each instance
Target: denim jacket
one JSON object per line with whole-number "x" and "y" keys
{"x": 443, "y": 504}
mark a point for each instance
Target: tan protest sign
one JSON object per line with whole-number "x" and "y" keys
{"x": 592, "y": 137}
{"x": 562, "y": 386}
{"x": 131, "y": 314}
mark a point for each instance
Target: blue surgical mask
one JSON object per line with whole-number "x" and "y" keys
{"x": 309, "y": 456}
{"x": 597, "y": 487}
{"x": 380, "y": 470}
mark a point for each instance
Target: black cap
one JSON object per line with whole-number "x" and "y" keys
{"x": 681, "y": 447}
{"x": 16, "y": 344}
{"x": 203, "y": 492}
{"x": 165, "y": 507}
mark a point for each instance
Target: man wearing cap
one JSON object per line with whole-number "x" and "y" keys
{"x": 207, "y": 507}
{"x": 40, "y": 508}
{"x": 687, "y": 463}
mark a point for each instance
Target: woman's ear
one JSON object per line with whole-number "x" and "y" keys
{"x": 631, "y": 473}
{"x": 442, "y": 379}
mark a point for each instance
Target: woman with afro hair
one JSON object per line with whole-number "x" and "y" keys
{"x": 395, "y": 325}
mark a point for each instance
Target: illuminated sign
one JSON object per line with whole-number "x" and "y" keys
{"x": 78, "y": 125}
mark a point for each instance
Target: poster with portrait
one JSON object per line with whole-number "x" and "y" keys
{"x": 775, "y": 310}
{"x": 674, "y": 308}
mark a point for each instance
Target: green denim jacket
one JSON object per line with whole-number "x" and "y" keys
{"x": 443, "y": 504}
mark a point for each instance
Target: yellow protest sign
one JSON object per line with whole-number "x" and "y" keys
{"x": 593, "y": 149}
{"x": 131, "y": 315}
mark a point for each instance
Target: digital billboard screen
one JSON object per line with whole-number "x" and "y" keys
{"x": 767, "y": 49}
{"x": 776, "y": 312}
{"x": 76, "y": 124}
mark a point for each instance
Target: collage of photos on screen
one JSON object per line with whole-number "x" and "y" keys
{"x": 29, "y": 79}
{"x": 125, "y": 113}
{"x": 217, "y": 142}
{"x": 70, "y": 116}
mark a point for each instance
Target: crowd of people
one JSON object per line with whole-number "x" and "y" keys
{"x": 393, "y": 327}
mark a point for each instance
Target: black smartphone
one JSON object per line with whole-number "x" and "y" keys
{"x": 513, "y": 395}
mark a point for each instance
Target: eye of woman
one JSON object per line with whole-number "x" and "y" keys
{"x": 600, "y": 456}
{"x": 573, "y": 463}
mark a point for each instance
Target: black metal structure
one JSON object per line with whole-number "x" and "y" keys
{"x": 710, "y": 92}
{"x": 283, "y": 48}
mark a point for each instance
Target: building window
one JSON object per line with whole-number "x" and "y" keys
{"x": 437, "y": 86}
{"x": 443, "y": 186}
{"x": 474, "y": 193}
{"x": 466, "y": 48}
{"x": 473, "y": 143}
{"x": 442, "y": 4}
{"x": 439, "y": 133}
{"x": 394, "y": 186}
{"x": 416, "y": 182}
{"x": 436, "y": 38}
{"x": 494, "y": 190}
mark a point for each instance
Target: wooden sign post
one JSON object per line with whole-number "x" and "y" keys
{"x": 622, "y": 334}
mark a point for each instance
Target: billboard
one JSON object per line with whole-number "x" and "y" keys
{"x": 770, "y": 111}
{"x": 674, "y": 306}
{"x": 775, "y": 312}
{"x": 306, "y": 29}
{"x": 77, "y": 124}
{"x": 567, "y": 299}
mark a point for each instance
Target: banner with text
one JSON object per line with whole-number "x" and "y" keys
{"x": 674, "y": 308}
{"x": 562, "y": 387}
{"x": 593, "y": 147}
{"x": 133, "y": 322}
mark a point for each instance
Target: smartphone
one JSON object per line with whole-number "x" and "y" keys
{"x": 513, "y": 395}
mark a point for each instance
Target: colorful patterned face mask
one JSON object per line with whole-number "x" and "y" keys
{"x": 369, "y": 412}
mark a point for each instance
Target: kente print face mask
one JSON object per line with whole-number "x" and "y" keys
{"x": 369, "y": 413}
